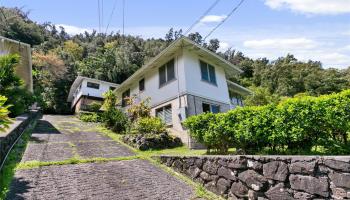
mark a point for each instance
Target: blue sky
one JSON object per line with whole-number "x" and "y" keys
{"x": 309, "y": 29}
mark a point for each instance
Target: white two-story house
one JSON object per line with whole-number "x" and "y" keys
{"x": 85, "y": 90}
{"x": 184, "y": 79}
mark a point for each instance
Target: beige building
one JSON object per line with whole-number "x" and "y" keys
{"x": 24, "y": 68}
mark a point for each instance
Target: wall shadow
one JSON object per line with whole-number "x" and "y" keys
{"x": 18, "y": 187}
{"x": 45, "y": 127}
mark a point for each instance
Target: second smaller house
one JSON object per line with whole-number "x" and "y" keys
{"x": 85, "y": 91}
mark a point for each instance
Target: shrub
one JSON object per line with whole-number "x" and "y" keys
{"x": 4, "y": 119}
{"x": 89, "y": 116}
{"x": 110, "y": 100}
{"x": 12, "y": 86}
{"x": 20, "y": 99}
{"x": 112, "y": 117}
{"x": 295, "y": 125}
{"x": 153, "y": 125}
{"x": 198, "y": 126}
{"x": 94, "y": 107}
{"x": 145, "y": 142}
{"x": 138, "y": 110}
{"x": 115, "y": 119}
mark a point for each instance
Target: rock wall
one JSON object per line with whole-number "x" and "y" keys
{"x": 9, "y": 137}
{"x": 268, "y": 177}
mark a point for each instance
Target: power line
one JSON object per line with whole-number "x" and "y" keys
{"x": 102, "y": 13}
{"x": 229, "y": 15}
{"x": 201, "y": 17}
{"x": 123, "y": 15}
{"x": 110, "y": 17}
{"x": 99, "y": 16}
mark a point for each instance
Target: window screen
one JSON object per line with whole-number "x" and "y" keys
{"x": 212, "y": 76}
{"x": 208, "y": 72}
{"x": 215, "y": 108}
{"x": 165, "y": 114}
{"x": 93, "y": 85}
{"x": 210, "y": 108}
{"x": 142, "y": 85}
{"x": 124, "y": 96}
{"x": 166, "y": 73}
{"x": 206, "y": 107}
{"x": 204, "y": 71}
{"x": 170, "y": 70}
{"x": 162, "y": 75}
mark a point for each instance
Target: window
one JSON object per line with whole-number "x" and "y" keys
{"x": 125, "y": 95}
{"x": 166, "y": 73}
{"x": 210, "y": 108}
{"x": 142, "y": 85}
{"x": 208, "y": 72}
{"x": 112, "y": 88}
{"x": 236, "y": 101}
{"x": 165, "y": 114}
{"x": 93, "y": 85}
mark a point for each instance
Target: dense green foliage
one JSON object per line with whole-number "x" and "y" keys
{"x": 260, "y": 96}
{"x": 112, "y": 117}
{"x": 295, "y": 125}
{"x": 93, "y": 107}
{"x": 90, "y": 116}
{"x": 12, "y": 86}
{"x": 149, "y": 125}
{"x": 4, "y": 119}
{"x": 58, "y": 58}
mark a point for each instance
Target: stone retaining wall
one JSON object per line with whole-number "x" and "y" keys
{"x": 268, "y": 177}
{"x": 16, "y": 128}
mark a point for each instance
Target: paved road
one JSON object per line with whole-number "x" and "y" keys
{"x": 57, "y": 138}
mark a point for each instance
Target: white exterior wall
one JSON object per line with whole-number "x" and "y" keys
{"x": 162, "y": 94}
{"x": 196, "y": 86}
{"x": 188, "y": 80}
{"x": 94, "y": 92}
{"x": 104, "y": 87}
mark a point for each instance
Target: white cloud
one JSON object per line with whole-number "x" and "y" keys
{"x": 73, "y": 30}
{"x": 223, "y": 46}
{"x": 281, "y": 43}
{"x": 312, "y": 6}
{"x": 336, "y": 59}
{"x": 346, "y": 48}
{"x": 212, "y": 18}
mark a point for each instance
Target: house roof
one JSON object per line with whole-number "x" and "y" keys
{"x": 162, "y": 57}
{"x": 80, "y": 79}
{"x": 238, "y": 88}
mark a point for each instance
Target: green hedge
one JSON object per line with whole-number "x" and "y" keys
{"x": 4, "y": 119}
{"x": 294, "y": 125}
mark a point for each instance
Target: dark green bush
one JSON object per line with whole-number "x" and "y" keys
{"x": 4, "y": 119}
{"x": 89, "y": 116}
{"x": 20, "y": 99}
{"x": 115, "y": 119}
{"x": 149, "y": 125}
{"x": 12, "y": 86}
{"x": 294, "y": 125}
{"x": 94, "y": 107}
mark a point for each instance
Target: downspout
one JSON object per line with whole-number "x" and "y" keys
{"x": 178, "y": 79}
